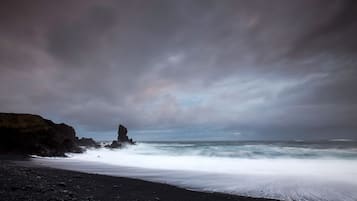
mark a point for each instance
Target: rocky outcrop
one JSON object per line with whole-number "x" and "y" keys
{"x": 115, "y": 144}
{"x": 122, "y": 138}
{"x": 32, "y": 134}
{"x": 123, "y": 135}
{"x": 87, "y": 142}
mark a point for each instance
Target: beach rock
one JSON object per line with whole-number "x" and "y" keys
{"x": 32, "y": 134}
{"x": 122, "y": 135}
{"x": 87, "y": 142}
{"x": 114, "y": 144}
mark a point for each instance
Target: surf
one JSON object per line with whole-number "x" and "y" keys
{"x": 286, "y": 171}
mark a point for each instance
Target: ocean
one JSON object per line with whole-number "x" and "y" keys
{"x": 295, "y": 170}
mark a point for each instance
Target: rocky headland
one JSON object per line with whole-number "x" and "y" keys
{"x": 32, "y": 134}
{"x": 29, "y": 134}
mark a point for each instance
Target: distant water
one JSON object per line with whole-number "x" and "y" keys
{"x": 298, "y": 170}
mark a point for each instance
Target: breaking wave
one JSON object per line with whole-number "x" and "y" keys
{"x": 324, "y": 171}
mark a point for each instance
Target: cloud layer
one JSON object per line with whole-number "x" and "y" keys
{"x": 184, "y": 69}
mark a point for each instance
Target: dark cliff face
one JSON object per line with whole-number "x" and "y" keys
{"x": 32, "y": 134}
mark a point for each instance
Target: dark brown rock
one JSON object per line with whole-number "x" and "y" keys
{"x": 32, "y": 134}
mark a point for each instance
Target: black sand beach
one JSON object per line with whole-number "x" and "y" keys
{"x": 21, "y": 182}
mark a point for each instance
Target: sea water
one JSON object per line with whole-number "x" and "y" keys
{"x": 296, "y": 170}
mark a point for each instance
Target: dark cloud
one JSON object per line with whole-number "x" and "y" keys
{"x": 243, "y": 69}
{"x": 333, "y": 31}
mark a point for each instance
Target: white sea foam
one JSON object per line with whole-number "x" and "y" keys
{"x": 324, "y": 175}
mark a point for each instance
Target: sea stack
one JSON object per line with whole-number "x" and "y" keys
{"x": 122, "y": 138}
{"x": 122, "y": 135}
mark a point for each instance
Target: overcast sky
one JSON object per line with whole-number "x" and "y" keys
{"x": 184, "y": 70}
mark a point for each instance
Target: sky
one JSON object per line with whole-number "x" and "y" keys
{"x": 184, "y": 70}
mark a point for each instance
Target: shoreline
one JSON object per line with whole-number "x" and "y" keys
{"x": 22, "y": 182}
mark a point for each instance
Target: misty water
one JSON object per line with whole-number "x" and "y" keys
{"x": 317, "y": 171}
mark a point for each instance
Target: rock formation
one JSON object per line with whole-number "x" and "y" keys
{"x": 122, "y": 135}
{"x": 87, "y": 142}
{"x": 32, "y": 134}
{"x": 122, "y": 138}
{"x": 114, "y": 144}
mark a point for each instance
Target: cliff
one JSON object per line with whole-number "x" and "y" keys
{"x": 32, "y": 134}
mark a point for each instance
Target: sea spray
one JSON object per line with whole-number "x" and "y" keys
{"x": 282, "y": 170}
